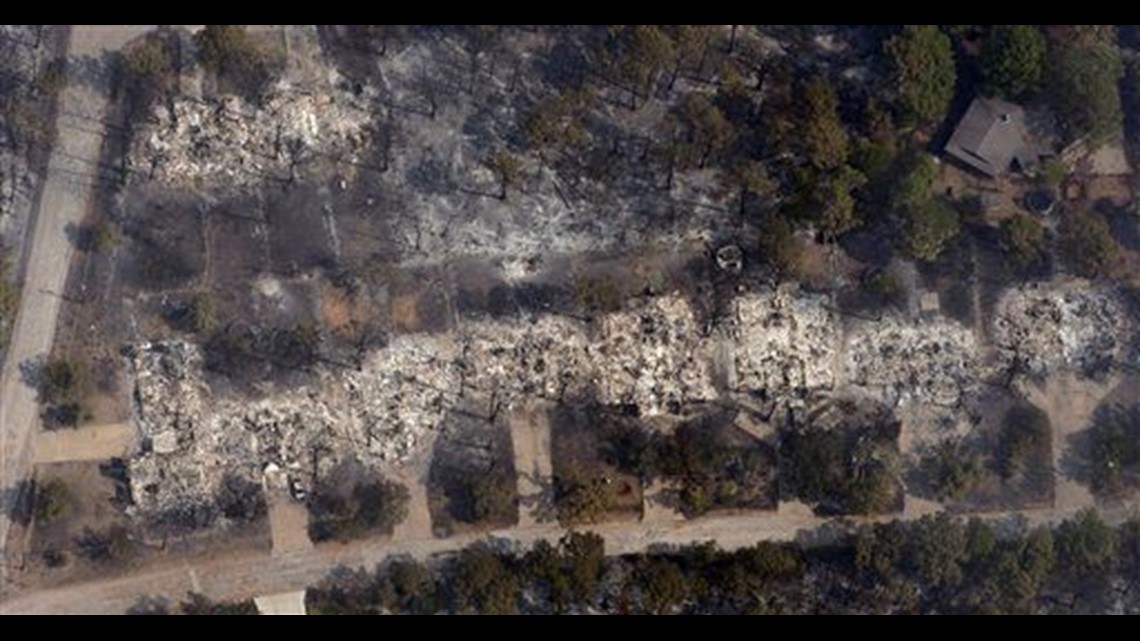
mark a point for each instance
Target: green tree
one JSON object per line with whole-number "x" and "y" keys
{"x": 493, "y": 497}
{"x": 1129, "y": 547}
{"x": 371, "y": 506}
{"x": 508, "y": 168}
{"x": 937, "y": 548}
{"x": 923, "y": 70}
{"x": 981, "y": 541}
{"x": 834, "y": 201}
{"x": 750, "y": 177}
{"x": 929, "y": 227}
{"x": 1087, "y": 244}
{"x": 412, "y": 586}
{"x": 1086, "y": 552}
{"x": 662, "y": 583}
{"x": 647, "y": 50}
{"x": 556, "y": 122}
{"x": 704, "y": 131}
{"x": 230, "y": 52}
{"x": 148, "y": 61}
{"x": 1114, "y": 449}
{"x": 585, "y": 554}
{"x": 1013, "y": 58}
{"x": 198, "y": 604}
{"x": 1023, "y": 238}
{"x": 59, "y": 381}
{"x": 484, "y": 583}
{"x": 914, "y": 186}
{"x": 826, "y": 143}
{"x": 879, "y": 549}
{"x": 583, "y": 499}
{"x": 1084, "y": 90}
{"x": 952, "y": 473}
{"x": 780, "y": 249}
{"x": 53, "y": 501}
{"x": 1025, "y": 430}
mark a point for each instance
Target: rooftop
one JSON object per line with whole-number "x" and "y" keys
{"x": 991, "y": 137}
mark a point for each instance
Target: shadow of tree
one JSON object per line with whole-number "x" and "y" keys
{"x": 540, "y": 504}
{"x": 149, "y": 604}
{"x": 19, "y": 502}
{"x": 32, "y": 371}
{"x": 94, "y": 72}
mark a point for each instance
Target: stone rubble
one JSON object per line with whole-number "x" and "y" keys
{"x": 232, "y": 143}
{"x": 652, "y": 356}
{"x": 1043, "y": 329}
{"x": 785, "y": 342}
{"x": 929, "y": 363}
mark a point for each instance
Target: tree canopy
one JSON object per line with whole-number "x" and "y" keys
{"x": 1013, "y": 59}
{"x": 923, "y": 67}
{"x": 1084, "y": 90}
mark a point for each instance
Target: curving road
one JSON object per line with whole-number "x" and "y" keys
{"x": 65, "y": 198}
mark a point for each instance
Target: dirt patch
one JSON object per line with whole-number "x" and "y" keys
{"x": 530, "y": 438}
{"x": 1070, "y": 401}
{"x": 288, "y": 522}
{"x": 405, "y": 313}
{"x": 90, "y": 443}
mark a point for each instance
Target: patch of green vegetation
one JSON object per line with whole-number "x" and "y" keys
{"x": 582, "y": 498}
{"x": 198, "y": 604}
{"x": 231, "y": 53}
{"x": 1114, "y": 449}
{"x": 53, "y": 501}
{"x": 952, "y": 473}
{"x": 922, "y": 60}
{"x": 63, "y": 385}
{"x": 1087, "y": 244}
{"x": 598, "y": 294}
{"x": 1013, "y": 60}
{"x": 1023, "y": 239}
{"x": 370, "y": 507}
{"x": 490, "y": 498}
{"x": 935, "y": 564}
{"x": 848, "y": 471}
{"x": 929, "y": 227}
{"x": 9, "y": 299}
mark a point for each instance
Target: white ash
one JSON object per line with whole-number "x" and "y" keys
{"x": 548, "y": 357}
{"x": 785, "y": 342}
{"x": 928, "y": 363}
{"x": 653, "y": 357}
{"x": 1075, "y": 326}
{"x": 229, "y": 142}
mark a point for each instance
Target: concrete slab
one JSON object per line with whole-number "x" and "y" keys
{"x": 287, "y": 603}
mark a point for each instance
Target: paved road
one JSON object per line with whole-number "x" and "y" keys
{"x": 67, "y": 194}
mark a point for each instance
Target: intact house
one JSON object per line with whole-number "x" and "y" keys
{"x": 992, "y": 138}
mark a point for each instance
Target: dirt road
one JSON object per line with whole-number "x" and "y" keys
{"x": 67, "y": 194}
{"x": 252, "y": 575}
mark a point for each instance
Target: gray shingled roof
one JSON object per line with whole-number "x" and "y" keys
{"x": 991, "y": 136}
